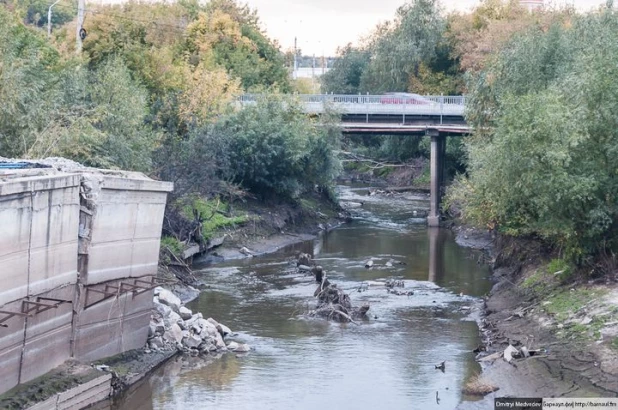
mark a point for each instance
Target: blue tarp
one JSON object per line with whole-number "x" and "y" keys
{"x": 20, "y": 165}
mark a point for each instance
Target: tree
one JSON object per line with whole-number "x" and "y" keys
{"x": 344, "y": 77}
{"x": 542, "y": 160}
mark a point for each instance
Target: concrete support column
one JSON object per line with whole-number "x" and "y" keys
{"x": 436, "y": 161}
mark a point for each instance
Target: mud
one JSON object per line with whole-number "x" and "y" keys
{"x": 568, "y": 368}
{"x": 65, "y": 377}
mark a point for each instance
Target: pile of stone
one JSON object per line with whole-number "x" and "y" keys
{"x": 175, "y": 327}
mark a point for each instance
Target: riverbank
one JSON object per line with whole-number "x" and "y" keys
{"x": 572, "y": 323}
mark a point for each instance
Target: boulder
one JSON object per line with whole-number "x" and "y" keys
{"x": 369, "y": 263}
{"x": 174, "y": 317}
{"x": 208, "y": 328}
{"x": 166, "y": 297}
{"x": 156, "y": 342}
{"x": 185, "y": 313}
{"x": 219, "y": 343}
{"x": 152, "y": 330}
{"x": 163, "y": 310}
{"x": 242, "y": 348}
{"x": 232, "y": 346}
{"x": 224, "y": 330}
{"x": 157, "y": 290}
{"x": 192, "y": 341}
{"x": 174, "y": 335}
{"x": 159, "y": 328}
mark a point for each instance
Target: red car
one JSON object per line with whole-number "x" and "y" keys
{"x": 404, "y": 98}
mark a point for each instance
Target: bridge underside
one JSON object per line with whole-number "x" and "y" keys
{"x": 404, "y": 119}
{"x": 438, "y": 134}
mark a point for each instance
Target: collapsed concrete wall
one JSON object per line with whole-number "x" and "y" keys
{"x": 78, "y": 256}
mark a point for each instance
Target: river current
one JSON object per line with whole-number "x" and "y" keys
{"x": 384, "y": 362}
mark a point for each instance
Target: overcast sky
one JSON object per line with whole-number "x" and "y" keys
{"x": 323, "y": 25}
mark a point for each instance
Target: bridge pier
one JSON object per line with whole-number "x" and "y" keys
{"x": 438, "y": 148}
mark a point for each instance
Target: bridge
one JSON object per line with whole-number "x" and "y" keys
{"x": 395, "y": 114}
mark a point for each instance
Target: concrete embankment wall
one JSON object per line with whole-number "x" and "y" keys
{"x": 78, "y": 256}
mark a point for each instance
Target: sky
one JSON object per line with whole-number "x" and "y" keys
{"x": 321, "y": 26}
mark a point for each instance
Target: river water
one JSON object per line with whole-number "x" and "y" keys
{"x": 386, "y": 361}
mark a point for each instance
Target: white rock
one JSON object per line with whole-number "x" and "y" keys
{"x": 242, "y": 348}
{"x": 192, "y": 341}
{"x": 304, "y": 268}
{"x": 369, "y": 264}
{"x": 208, "y": 327}
{"x": 185, "y": 313}
{"x": 163, "y": 310}
{"x": 219, "y": 342}
{"x": 226, "y": 330}
{"x": 213, "y": 321}
{"x": 168, "y": 298}
{"x": 232, "y": 346}
{"x": 156, "y": 342}
{"x": 174, "y": 335}
{"x": 174, "y": 317}
{"x": 389, "y": 264}
{"x": 157, "y": 290}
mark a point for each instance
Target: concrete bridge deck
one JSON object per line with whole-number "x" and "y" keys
{"x": 402, "y": 114}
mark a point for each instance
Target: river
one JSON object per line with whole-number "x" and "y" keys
{"x": 385, "y": 361}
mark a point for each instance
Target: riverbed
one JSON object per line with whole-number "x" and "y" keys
{"x": 387, "y": 360}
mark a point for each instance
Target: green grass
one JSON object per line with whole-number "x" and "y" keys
{"x": 424, "y": 179}
{"x": 213, "y": 218}
{"x": 568, "y": 302}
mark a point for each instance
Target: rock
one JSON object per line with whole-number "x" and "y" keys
{"x": 157, "y": 290}
{"x": 389, "y": 264}
{"x": 225, "y": 330}
{"x": 159, "y": 328}
{"x": 213, "y": 321}
{"x": 245, "y": 251}
{"x": 174, "y": 335}
{"x": 192, "y": 341}
{"x": 163, "y": 310}
{"x": 168, "y": 298}
{"x": 369, "y": 263}
{"x": 304, "y": 268}
{"x": 208, "y": 328}
{"x": 156, "y": 342}
{"x": 183, "y": 325}
{"x": 219, "y": 343}
{"x": 185, "y": 313}
{"x": 242, "y": 348}
{"x": 196, "y": 329}
{"x": 232, "y": 346}
{"x": 174, "y": 317}
{"x": 152, "y": 330}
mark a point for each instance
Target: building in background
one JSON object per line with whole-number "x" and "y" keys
{"x": 531, "y": 4}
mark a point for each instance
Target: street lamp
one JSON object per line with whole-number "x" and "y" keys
{"x": 49, "y": 14}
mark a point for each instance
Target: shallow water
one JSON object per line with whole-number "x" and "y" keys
{"x": 386, "y": 361}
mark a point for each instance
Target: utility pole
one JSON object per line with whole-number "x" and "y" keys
{"x": 49, "y": 15}
{"x": 81, "y": 6}
{"x": 295, "y": 63}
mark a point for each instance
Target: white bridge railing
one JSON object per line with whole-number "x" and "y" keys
{"x": 395, "y": 104}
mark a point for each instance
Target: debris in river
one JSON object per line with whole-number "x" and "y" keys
{"x": 479, "y": 387}
{"x": 304, "y": 259}
{"x": 392, "y": 283}
{"x": 335, "y": 304}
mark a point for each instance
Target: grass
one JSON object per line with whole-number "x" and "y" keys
{"x": 424, "y": 179}
{"x": 212, "y": 213}
{"x": 566, "y": 303}
{"x": 479, "y": 387}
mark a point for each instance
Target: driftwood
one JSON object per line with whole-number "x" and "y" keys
{"x": 334, "y": 303}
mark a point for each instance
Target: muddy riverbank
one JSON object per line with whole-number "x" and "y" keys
{"x": 575, "y": 360}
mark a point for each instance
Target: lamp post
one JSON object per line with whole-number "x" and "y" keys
{"x": 49, "y": 15}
